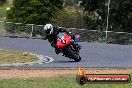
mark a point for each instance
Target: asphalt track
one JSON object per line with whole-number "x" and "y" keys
{"x": 93, "y": 55}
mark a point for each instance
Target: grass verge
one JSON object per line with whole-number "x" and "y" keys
{"x": 3, "y": 11}
{"x": 1, "y": 25}
{"x": 65, "y": 81}
{"x": 10, "y": 57}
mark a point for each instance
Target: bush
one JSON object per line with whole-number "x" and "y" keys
{"x": 33, "y": 11}
{"x": 10, "y": 27}
{"x": 69, "y": 19}
{"x": 68, "y": 2}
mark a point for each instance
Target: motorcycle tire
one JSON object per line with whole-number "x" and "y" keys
{"x": 72, "y": 55}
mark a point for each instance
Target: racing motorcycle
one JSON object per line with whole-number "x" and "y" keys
{"x": 66, "y": 44}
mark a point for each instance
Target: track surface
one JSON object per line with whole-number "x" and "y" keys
{"x": 93, "y": 54}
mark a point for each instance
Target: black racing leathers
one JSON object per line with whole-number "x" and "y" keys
{"x": 52, "y": 38}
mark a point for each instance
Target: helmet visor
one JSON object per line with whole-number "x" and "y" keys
{"x": 48, "y": 31}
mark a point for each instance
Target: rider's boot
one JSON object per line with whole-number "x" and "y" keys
{"x": 77, "y": 46}
{"x": 57, "y": 50}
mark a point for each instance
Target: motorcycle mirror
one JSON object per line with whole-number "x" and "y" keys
{"x": 69, "y": 32}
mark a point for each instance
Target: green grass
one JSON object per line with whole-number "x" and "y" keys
{"x": 3, "y": 11}
{"x": 1, "y": 25}
{"x": 3, "y": 31}
{"x": 68, "y": 81}
{"x": 10, "y": 57}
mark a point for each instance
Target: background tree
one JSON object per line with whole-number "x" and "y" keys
{"x": 91, "y": 5}
{"x": 34, "y": 11}
{"x": 120, "y": 17}
{"x": 92, "y": 15}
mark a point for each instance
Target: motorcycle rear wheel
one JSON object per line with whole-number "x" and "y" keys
{"x": 72, "y": 55}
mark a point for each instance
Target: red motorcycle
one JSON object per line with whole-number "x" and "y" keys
{"x": 66, "y": 44}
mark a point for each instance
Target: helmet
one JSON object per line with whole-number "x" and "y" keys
{"x": 48, "y": 29}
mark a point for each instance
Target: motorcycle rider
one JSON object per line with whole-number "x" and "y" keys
{"x": 51, "y": 35}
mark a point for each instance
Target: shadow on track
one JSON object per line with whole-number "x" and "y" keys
{"x": 66, "y": 61}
